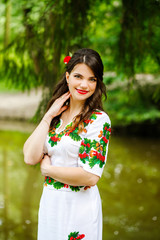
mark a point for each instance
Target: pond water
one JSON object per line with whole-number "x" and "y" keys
{"x": 129, "y": 188}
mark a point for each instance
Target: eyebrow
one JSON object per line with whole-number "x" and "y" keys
{"x": 82, "y": 75}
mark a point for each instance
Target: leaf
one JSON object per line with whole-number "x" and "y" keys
{"x": 73, "y": 234}
{"x": 93, "y": 161}
{"x": 87, "y": 149}
{"x": 101, "y": 164}
{"x": 81, "y": 149}
{"x": 102, "y": 142}
{"x": 86, "y": 140}
{"x": 93, "y": 116}
{"x": 75, "y": 188}
{"x": 94, "y": 144}
{"x": 75, "y": 136}
{"x": 108, "y": 135}
{"x": 83, "y": 160}
{"x": 52, "y": 143}
{"x": 104, "y": 151}
{"x": 86, "y": 158}
{"x": 51, "y": 181}
{"x": 58, "y": 185}
{"x": 58, "y": 124}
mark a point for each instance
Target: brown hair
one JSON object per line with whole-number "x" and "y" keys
{"x": 93, "y": 60}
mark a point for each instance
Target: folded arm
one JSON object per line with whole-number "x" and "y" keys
{"x": 75, "y": 176}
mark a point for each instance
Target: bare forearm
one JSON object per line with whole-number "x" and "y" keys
{"x": 75, "y": 176}
{"x": 33, "y": 147}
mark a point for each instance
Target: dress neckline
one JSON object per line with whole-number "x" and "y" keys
{"x": 68, "y": 124}
{"x": 61, "y": 122}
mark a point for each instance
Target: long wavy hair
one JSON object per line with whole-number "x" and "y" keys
{"x": 93, "y": 60}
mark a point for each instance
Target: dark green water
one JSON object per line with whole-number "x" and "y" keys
{"x": 129, "y": 188}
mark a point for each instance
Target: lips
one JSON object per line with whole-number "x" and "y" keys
{"x": 81, "y": 91}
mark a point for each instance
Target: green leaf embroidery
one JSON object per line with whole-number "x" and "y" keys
{"x": 75, "y": 188}
{"x": 94, "y": 144}
{"x": 58, "y": 185}
{"x": 58, "y": 124}
{"x": 92, "y": 161}
{"x": 97, "y": 149}
{"x": 73, "y": 234}
{"x": 101, "y": 164}
{"x": 93, "y": 116}
{"x": 52, "y": 143}
{"x": 81, "y": 149}
{"x": 75, "y": 136}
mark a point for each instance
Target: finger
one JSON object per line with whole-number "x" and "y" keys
{"x": 64, "y": 97}
{"x": 63, "y": 109}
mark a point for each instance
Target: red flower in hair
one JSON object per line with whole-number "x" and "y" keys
{"x": 67, "y": 59}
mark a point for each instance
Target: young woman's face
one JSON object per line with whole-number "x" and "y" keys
{"x": 81, "y": 82}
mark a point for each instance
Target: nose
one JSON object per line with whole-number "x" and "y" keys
{"x": 84, "y": 84}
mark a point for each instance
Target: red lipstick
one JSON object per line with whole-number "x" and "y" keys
{"x": 81, "y": 91}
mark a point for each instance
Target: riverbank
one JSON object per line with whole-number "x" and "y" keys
{"x": 19, "y": 106}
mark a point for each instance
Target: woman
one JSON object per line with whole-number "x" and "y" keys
{"x": 71, "y": 144}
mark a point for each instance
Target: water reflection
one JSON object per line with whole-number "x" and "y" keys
{"x": 20, "y": 190}
{"x": 129, "y": 189}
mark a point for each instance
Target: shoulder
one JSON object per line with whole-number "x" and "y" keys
{"x": 100, "y": 117}
{"x": 99, "y": 125}
{"x": 98, "y": 121}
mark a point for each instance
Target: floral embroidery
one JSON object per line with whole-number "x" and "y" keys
{"x": 58, "y": 185}
{"x": 90, "y": 151}
{"x": 94, "y": 151}
{"x": 75, "y": 236}
{"x": 73, "y": 133}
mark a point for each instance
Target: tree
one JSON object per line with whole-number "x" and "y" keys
{"x": 51, "y": 30}
{"x": 126, "y": 33}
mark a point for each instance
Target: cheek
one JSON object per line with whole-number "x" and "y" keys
{"x": 72, "y": 83}
{"x": 93, "y": 87}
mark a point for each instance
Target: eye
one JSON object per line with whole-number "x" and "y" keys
{"x": 77, "y": 76}
{"x": 93, "y": 80}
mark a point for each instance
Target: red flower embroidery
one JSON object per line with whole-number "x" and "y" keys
{"x": 75, "y": 236}
{"x": 98, "y": 155}
{"x": 97, "y": 113}
{"x": 87, "y": 121}
{"x": 88, "y": 145}
{"x": 84, "y": 155}
{"x": 107, "y": 129}
{"x": 105, "y": 139}
{"x": 80, "y": 236}
{"x": 54, "y": 139}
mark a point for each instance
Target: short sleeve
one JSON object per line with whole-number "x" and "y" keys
{"x": 94, "y": 146}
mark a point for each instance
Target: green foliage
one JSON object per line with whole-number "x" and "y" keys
{"x": 130, "y": 105}
{"x": 126, "y": 33}
{"x": 48, "y": 31}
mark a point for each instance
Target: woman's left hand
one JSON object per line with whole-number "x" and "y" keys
{"x": 45, "y": 165}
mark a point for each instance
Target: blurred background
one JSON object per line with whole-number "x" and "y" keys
{"x": 35, "y": 36}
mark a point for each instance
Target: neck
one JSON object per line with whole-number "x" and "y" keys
{"x": 75, "y": 107}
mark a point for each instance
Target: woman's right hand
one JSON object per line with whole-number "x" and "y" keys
{"x": 57, "y": 107}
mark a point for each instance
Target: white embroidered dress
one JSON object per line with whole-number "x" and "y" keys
{"x": 74, "y": 212}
